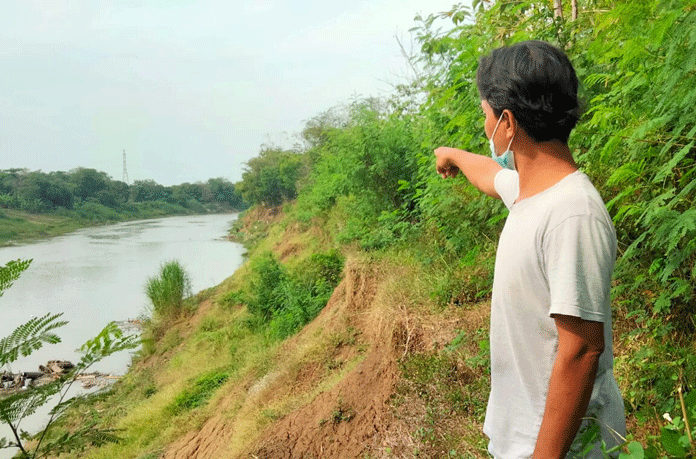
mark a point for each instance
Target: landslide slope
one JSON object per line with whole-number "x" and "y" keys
{"x": 337, "y": 389}
{"x": 383, "y": 371}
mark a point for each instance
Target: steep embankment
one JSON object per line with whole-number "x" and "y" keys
{"x": 335, "y": 389}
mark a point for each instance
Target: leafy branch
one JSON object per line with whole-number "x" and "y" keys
{"x": 17, "y": 405}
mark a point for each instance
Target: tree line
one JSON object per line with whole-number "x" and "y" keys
{"x": 37, "y": 191}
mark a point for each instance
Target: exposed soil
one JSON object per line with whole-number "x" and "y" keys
{"x": 351, "y": 417}
{"x": 346, "y": 410}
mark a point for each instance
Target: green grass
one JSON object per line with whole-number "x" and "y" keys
{"x": 19, "y": 226}
{"x": 200, "y": 392}
{"x": 168, "y": 291}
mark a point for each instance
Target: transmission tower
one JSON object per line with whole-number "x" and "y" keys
{"x": 125, "y": 171}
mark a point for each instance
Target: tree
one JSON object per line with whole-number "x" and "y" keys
{"x": 15, "y": 406}
{"x": 223, "y": 191}
{"x": 270, "y": 179}
{"x": 148, "y": 190}
{"x": 43, "y": 191}
{"x": 558, "y": 8}
{"x": 88, "y": 182}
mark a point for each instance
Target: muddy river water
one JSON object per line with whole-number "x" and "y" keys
{"x": 97, "y": 275}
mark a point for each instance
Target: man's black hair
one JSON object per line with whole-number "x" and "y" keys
{"x": 537, "y": 83}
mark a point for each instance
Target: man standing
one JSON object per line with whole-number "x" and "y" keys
{"x": 551, "y": 338}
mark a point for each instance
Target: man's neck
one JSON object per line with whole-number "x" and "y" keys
{"x": 541, "y": 165}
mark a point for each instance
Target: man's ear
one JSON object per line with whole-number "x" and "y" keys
{"x": 509, "y": 124}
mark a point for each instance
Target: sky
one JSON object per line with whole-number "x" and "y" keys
{"x": 189, "y": 89}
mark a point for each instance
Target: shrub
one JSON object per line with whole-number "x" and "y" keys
{"x": 168, "y": 291}
{"x": 93, "y": 211}
{"x": 285, "y": 300}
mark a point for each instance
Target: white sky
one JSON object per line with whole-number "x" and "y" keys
{"x": 190, "y": 89}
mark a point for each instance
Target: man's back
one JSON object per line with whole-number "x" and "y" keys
{"x": 555, "y": 256}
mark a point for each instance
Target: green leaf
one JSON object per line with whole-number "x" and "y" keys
{"x": 29, "y": 337}
{"x": 10, "y": 273}
{"x": 635, "y": 451}
{"x": 670, "y": 441}
{"x": 662, "y": 173}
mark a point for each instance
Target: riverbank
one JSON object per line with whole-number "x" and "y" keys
{"x": 97, "y": 275}
{"x": 21, "y": 227}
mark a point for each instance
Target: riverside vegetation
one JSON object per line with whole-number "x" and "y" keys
{"x": 17, "y": 405}
{"x": 358, "y": 325}
{"x": 35, "y": 204}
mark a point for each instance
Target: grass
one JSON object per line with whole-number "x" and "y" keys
{"x": 168, "y": 291}
{"x": 199, "y": 392}
{"x": 214, "y": 367}
{"x": 442, "y": 400}
{"x": 18, "y": 226}
{"x": 159, "y": 401}
{"x": 193, "y": 371}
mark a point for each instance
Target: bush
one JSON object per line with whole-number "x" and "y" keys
{"x": 96, "y": 212}
{"x": 168, "y": 291}
{"x": 286, "y": 300}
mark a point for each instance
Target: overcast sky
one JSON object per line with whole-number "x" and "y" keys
{"x": 189, "y": 89}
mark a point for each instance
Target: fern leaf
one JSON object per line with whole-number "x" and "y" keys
{"x": 667, "y": 168}
{"x": 29, "y": 337}
{"x": 10, "y": 273}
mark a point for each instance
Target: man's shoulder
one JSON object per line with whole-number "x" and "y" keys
{"x": 575, "y": 195}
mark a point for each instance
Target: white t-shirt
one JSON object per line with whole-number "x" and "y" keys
{"x": 555, "y": 256}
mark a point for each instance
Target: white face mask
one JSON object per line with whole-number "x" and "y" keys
{"x": 506, "y": 159}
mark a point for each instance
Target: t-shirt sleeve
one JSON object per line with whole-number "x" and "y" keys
{"x": 507, "y": 184}
{"x": 579, "y": 256}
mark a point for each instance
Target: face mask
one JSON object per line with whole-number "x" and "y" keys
{"x": 507, "y": 159}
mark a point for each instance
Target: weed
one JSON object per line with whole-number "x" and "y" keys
{"x": 152, "y": 455}
{"x": 203, "y": 388}
{"x": 342, "y": 413}
{"x": 271, "y": 414}
{"x": 443, "y": 394}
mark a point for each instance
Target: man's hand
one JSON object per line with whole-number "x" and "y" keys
{"x": 445, "y": 162}
{"x": 479, "y": 170}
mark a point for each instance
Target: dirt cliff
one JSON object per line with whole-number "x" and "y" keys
{"x": 336, "y": 389}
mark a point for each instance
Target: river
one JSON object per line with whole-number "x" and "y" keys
{"x": 97, "y": 275}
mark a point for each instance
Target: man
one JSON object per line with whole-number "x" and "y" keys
{"x": 551, "y": 339}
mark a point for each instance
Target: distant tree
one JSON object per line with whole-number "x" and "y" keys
{"x": 9, "y": 180}
{"x": 120, "y": 190}
{"x": 271, "y": 178}
{"x": 205, "y": 192}
{"x": 223, "y": 191}
{"x": 148, "y": 190}
{"x": 184, "y": 193}
{"x": 317, "y": 129}
{"x": 48, "y": 191}
{"x": 88, "y": 182}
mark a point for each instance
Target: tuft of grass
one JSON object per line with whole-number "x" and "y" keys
{"x": 168, "y": 291}
{"x": 203, "y": 388}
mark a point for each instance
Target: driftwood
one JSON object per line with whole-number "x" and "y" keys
{"x": 54, "y": 369}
